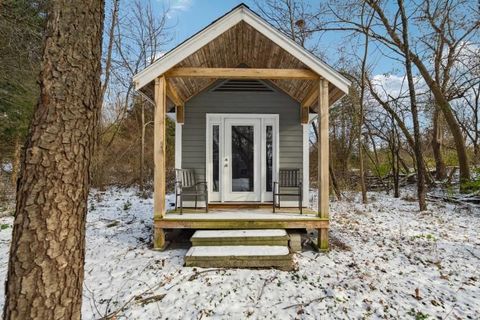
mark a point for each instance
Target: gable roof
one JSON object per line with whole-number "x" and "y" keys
{"x": 239, "y": 14}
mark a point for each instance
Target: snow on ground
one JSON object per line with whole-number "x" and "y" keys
{"x": 387, "y": 261}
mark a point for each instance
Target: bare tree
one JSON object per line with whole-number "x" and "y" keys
{"x": 363, "y": 75}
{"x": 460, "y": 27}
{"x": 97, "y": 168}
{"x": 395, "y": 146}
{"x": 136, "y": 39}
{"x": 142, "y": 37}
{"x": 467, "y": 111}
{"x": 45, "y": 271}
{"x": 295, "y": 18}
{"x": 451, "y": 70}
{"x": 414, "y": 108}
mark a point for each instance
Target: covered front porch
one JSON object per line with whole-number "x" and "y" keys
{"x": 241, "y": 82}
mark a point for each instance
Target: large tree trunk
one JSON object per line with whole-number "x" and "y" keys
{"x": 45, "y": 271}
{"x": 440, "y": 167}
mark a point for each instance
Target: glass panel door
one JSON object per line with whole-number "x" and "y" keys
{"x": 242, "y": 160}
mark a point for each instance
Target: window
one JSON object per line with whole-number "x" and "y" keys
{"x": 216, "y": 157}
{"x": 269, "y": 156}
{"x": 242, "y": 158}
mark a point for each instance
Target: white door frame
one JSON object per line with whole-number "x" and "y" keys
{"x": 219, "y": 119}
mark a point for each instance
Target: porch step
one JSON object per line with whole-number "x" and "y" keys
{"x": 252, "y": 248}
{"x": 250, "y": 237}
{"x": 239, "y": 256}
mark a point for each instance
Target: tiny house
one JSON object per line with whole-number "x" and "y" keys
{"x": 243, "y": 95}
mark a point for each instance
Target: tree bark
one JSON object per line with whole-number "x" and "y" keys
{"x": 45, "y": 271}
{"x": 336, "y": 189}
{"x": 414, "y": 108}
{"x": 440, "y": 167}
{"x": 16, "y": 161}
{"x": 394, "y": 145}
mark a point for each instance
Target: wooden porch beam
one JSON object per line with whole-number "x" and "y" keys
{"x": 311, "y": 96}
{"x": 242, "y": 73}
{"x": 323, "y": 162}
{"x": 159, "y": 158}
{"x": 173, "y": 95}
{"x": 309, "y": 99}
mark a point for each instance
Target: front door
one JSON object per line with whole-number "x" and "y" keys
{"x": 242, "y": 156}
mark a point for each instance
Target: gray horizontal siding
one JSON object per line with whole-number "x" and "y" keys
{"x": 193, "y": 131}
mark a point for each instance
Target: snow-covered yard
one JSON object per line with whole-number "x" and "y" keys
{"x": 387, "y": 261}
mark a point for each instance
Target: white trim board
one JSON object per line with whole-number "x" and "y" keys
{"x": 219, "y": 119}
{"x": 178, "y": 145}
{"x": 241, "y": 13}
{"x": 306, "y": 163}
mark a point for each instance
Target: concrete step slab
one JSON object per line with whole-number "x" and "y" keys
{"x": 249, "y": 237}
{"x": 239, "y": 257}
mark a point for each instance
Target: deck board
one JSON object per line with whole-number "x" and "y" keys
{"x": 241, "y": 220}
{"x": 239, "y": 216}
{"x": 265, "y": 233}
{"x": 241, "y": 209}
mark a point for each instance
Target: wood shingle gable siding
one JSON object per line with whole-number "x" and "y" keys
{"x": 256, "y": 51}
{"x": 241, "y": 37}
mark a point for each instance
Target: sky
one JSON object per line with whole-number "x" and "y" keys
{"x": 190, "y": 16}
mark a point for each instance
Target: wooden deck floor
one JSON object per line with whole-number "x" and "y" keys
{"x": 243, "y": 209}
{"x": 258, "y": 218}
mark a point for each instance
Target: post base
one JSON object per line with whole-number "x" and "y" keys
{"x": 323, "y": 243}
{"x": 159, "y": 242}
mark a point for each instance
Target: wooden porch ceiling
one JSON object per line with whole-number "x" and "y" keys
{"x": 244, "y": 46}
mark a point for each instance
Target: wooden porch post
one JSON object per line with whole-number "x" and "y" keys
{"x": 159, "y": 160}
{"x": 323, "y": 150}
